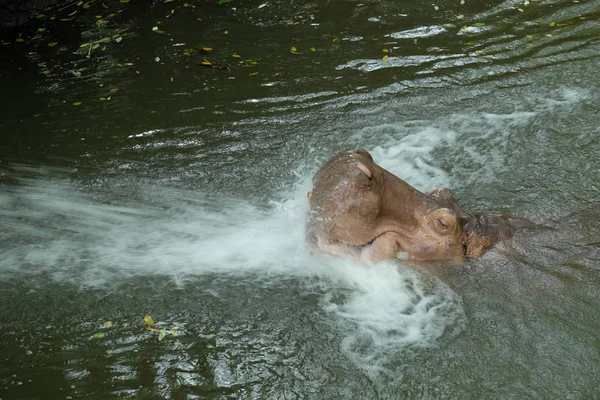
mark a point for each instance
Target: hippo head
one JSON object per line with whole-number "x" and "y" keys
{"x": 358, "y": 209}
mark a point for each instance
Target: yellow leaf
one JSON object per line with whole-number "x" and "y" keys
{"x": 98, "y": 335}
{"x": 336, "y": 40}
{"x": 124, "y": 1}
{"x": 552, "y": 24}
{"x": 293, "y": 49}
{"x": 108, "y": 324}
{"x": 77, "y": 103}
{"x": 386, "y": 51}
{"x": 253, "y": 73}
{"x": 235, "y": 55}
{"x": 313, "y": 49}
{"x": 385, "y": 58}
{"x": 207, "y": 49}
{"x": 52, "y": 44}
{"x": 148, "y": 320}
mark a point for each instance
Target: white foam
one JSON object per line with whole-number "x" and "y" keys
{"x": 390, "y": 308}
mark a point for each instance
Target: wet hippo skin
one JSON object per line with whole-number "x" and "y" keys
{"x": 359, "y": 210}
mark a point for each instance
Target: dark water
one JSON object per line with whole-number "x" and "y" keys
{"x": 181, "y": 196}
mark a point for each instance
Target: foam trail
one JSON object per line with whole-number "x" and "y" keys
{"x": 73, "y": 237}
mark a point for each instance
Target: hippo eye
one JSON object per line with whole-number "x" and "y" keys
{"x": 442, "y": 223}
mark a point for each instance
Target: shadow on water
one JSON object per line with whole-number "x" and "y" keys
{"x": 178, "y": 191}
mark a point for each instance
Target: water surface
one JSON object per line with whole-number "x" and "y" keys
{"x": 181, "y": 195}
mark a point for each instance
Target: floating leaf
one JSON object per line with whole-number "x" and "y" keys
{"x": 162, "y": 334}
{"x": 199, "y": 19}
{"x": 157, "y": 59}
{"x": 225, "y": 1}
{"x": 478, "y": 24}
{"x": 470, "y": 43}
{"x": 206, "y": 50}
{"x": 313, "y": 49}
{"x": 552, "y": 24}
{"x": 160, "y": 32}
{"x": 40, "y": 16}
{"x": 225, "y": 32}
{"x": 253, "y": 73}
{"x": 235, "y": 55}
{"x": 100, "y": 21}
{"x": 108, "y": 324}
{"x": 293, "y": 50}
{"x": 385, "y": 50}
{"x": 77, "y": 103}
{"x": 336, "y": 40}
{"x": 529, "y": 36}
{"x": 148, "y": 320}
{"x": 124, "y": 1}
{"x": 98, "y": 335}
{"x": 263, "y": 5}
{"x": 52, "y": 44}
{"x": 119, "y": 39}
{"x": 102, "y": 98}
{"x": 155, "y": 28}
{"x": 385, "y": 58}
{"x": 72, "y": 13}
{"x": 41, "y": 29}
{"x": 86, "y": 6}
{"x": 19, "y": 40}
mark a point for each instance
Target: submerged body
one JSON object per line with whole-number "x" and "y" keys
{"x": 362, "y": 211}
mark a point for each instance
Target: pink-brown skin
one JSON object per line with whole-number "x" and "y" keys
{"x": 359, "y": 210}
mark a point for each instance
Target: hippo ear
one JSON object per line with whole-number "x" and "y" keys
{"x": 364, "y": 169}
{"x": 443, "y": 220}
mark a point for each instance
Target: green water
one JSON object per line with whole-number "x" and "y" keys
{"x": 181, "y": 195}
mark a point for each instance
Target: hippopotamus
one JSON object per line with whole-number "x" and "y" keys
{"x": 360, "y": 210}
